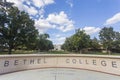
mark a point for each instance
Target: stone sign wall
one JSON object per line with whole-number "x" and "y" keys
{"x": 107, "y": 64}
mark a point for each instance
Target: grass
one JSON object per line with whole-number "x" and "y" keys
{"x": 100, "y": 53}
{"x": 20, "y": 52}
{"x": 66, "y": 52}
{"x": 57, "y": 52}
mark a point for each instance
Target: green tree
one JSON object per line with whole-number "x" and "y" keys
{"x": 94, "y": 43}
{"x": 116, "y": 42}
{"x": 77, "y": 42}
{"x": 43, "y": 43}
{"x": 19, "y": 30}
{"x": 107, "y": 36}
{"x": 81, "y": 40}
{"x": 3, "y": 20}
{"x": 68, "y": 45}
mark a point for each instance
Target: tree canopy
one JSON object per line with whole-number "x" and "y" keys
{"x": 17, "y": 29}
{"x": 107, "y": 36}
{"x": 43, "y": 43}
{"x": 77, "y": 42}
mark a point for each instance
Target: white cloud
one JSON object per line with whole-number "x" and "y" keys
{"x": 60, "y": 18}
{"x": 61, "y": 40}
{"x": 70, "y": 2}
{"x": 28, "y": 3}
{"x": 58, "y": 40}
{"x": 18, "y": 3}
{"x": 48, "y": 1}
{"x": 91, "y": 30}
{"x": 58, "y": 35}
{"x": 42, "y": 3}
{"x": 57, "y": 21}
{"x": 32, "y": 9}
{"x": 38, "y": 3}
{"x": 62, "y": 21}
{"x": 114, "y": 19}
{"x": 41, "y": 12}
{"x": 42, "y": 25}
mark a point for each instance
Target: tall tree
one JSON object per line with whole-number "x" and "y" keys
{"x": 68, "y": 44}
{"x": 116, "y": 42}
{"x": 43, "y": 43}
{"x": 77, "y": 42}
{"x": 19, "y": 30}
{"x": 94, "y": 43}
{"x": 81, "y": 40}
{"x": 107, "y": 36}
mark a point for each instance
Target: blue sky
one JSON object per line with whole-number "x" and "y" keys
{"x": 60, "y": 18}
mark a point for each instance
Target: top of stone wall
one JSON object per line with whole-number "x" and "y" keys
{"x": 61, "y": 55}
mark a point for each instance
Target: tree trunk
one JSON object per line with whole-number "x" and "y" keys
{"x": 10, "y": 50}
{"x": 108, "y": 51}
{"x": 81, "y": 51}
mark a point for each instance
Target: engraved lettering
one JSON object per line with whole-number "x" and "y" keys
{"x": 45, "y": 60}
{"x": 6, "y": 63}
{"x": 67, "y": 60}
{"x": 114, "y": 65}
{"x": 39, "y": 61}
{"x": 80, "y": 61}
{"x": 103, "y": 63}
{"x": 86, "y": 61}
{"x": 32, "y": 61}
{"x": 16, "y": 62}
{"x": 24, "y": 61}
{"x": 94, "y": 62}
{"x": 74, "y": 61}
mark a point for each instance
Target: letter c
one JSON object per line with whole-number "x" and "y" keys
{"x": 67, "y": 60}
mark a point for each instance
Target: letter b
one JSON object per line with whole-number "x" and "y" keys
{"x": 6, "y": 63}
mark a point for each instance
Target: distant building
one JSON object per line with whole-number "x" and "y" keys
{"x": 57, "y": 47}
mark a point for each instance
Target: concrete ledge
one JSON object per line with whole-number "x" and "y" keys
{"x": 101, "y": 63}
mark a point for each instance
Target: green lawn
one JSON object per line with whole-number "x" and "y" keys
{"x": 20, "y": 52}
{"x": 57, "y": 52}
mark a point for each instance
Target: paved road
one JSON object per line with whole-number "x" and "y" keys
{"x": 58, "y": 74}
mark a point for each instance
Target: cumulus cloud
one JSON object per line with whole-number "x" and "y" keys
{"x": 58, "y": 21}
{"x": 42, "y": 25}
{"x": 42, "y": 3}
{"x": 61, "y": 40}
{"x": 58, "y": 35}
{"x": 114, "y": 19}
{"x": 31, "y": 10}
{"x": 91, "y": 30}
{"x": 58, "y": 40}
{"x": 62, "y": 20}
{"x": 30, "y": 6}
{"x": 35, "y": 8}
{"x": 18, "y": 3}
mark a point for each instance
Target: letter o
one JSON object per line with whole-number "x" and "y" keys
{"x": 74, "y": 61}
